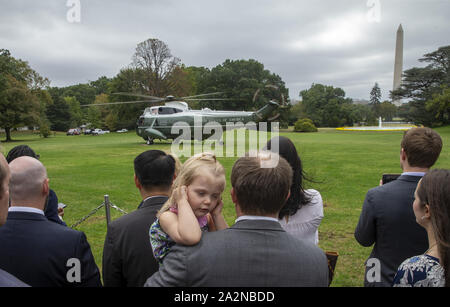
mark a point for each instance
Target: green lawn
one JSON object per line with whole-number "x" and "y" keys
{"x": 344, "y": 166}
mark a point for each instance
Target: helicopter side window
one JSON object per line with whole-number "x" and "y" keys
{"x": 163, "y": 110}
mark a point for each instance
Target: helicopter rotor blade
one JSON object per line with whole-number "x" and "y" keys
{"x": 138, "y": 95}
{"x": 206, "y": 99}
{"x": 201, "y": 95}
{"x": 120, "y": 102}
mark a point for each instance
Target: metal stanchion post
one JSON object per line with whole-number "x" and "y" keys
{"x": 107, "y": 209}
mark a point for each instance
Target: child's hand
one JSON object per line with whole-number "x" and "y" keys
{"x": 218, "y": 219}
{"x": 180, "y": 195}
{"x": 218, "y": 209}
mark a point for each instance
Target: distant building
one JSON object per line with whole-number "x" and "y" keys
{"x": 360, "y": 101}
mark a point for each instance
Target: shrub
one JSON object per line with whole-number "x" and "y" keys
{"x": 44, "y": 129}
{"x": 304, "y": 125}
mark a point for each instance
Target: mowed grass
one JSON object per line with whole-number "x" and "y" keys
{"x": 343, "y": 165}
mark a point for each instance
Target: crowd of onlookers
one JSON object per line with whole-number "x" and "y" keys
{"x": 178, "y": 235}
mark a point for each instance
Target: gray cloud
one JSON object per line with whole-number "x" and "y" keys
{"x": 305, "y": 42}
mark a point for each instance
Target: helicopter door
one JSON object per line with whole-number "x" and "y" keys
{"x": 162, "y": 120}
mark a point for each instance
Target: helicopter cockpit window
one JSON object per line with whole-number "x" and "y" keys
{"x": 154, "y": 111}
{"x": 163, "y": 110}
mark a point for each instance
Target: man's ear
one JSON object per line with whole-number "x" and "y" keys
{"x": 46, "y": 187}
{"x": 136, "y": 182}
{"x": 233, "y": 196}
{"x": 403, "y": 156}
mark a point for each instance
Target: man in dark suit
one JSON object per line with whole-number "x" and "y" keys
{"x": 39, "y": 252}
{"x": 6, "y": 279}
{"x": 51, "y": 208}
{"x": 255, "y": 251}
{"x": 387, "y": 218}
{"x": 127, "y": 255}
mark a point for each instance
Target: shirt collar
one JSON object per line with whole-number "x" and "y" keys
{"x": 25, "y": 209}
{"x": 418, "y": 174}
{"x": 256, "y": 217}
{"x": 153, "y": 197}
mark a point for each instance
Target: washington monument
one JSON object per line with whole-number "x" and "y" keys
{"x": 398, "y": 66}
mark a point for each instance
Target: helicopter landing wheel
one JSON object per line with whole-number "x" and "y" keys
{"x": 149, "y": 141}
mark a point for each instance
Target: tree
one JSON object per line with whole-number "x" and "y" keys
{"x": 324, "y": 105}
{"x": 19, "y": 86}
{"x": 423, "y": 84}
{"x": 387, "y": 110}
{"x": 101, "y": 85}
{"x": 375, "y": 99}
{"x": 239, "y": 80}
{"x": 59, "y": 112}
{"x": 126, "y": 81}
{"x": 440, "y": 106}
{"x": 375, "y": 95}
{"x": 198, "y": 78}
{"x": 178, "y": 82}
{"x": 297, "y": 111}
{"x": 45, "y": 100}
{"x": 154, "y": 59}
{"x": 76, "y": 116}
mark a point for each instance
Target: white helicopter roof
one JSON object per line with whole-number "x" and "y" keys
{"x": 178, "y": 104}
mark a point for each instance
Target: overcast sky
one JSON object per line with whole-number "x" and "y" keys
{"x": 346, "y": 43}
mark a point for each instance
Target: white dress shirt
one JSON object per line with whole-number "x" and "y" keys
{"x": 25, "y": 209}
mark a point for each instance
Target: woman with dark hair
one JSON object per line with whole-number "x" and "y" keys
{"x": 51, "y": 212}
{"x": 432, "y": 210}
{"x": 303, "y": 211}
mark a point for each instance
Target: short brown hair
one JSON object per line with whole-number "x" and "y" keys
{"x": 261, "y": 190}
{"x": 422, "y": 146}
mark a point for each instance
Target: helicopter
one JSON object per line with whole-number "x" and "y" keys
{"x": 164, "y": 122}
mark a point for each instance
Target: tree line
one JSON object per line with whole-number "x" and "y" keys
{"x": 27, "y": 99}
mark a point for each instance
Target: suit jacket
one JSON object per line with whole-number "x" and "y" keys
{"x": 7, "y": 280}
{"x": 388, "y": 221}
{"x": 127, "y": 254}
{"x": 51, "y": 210}
{"x": 252, "y": 253}
{"x": 38, "y": 252}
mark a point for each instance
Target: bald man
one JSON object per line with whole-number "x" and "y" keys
{"x": 6, "y": 279}
{"x": 35, "y": 250}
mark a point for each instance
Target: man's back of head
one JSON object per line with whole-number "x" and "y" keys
{"x": 19, "y": 151}
{"x": 29, "y": 182}
{"x": 422, "y": 147}
{"x": 261, "y": 188}
{"x": 155, "y": 169}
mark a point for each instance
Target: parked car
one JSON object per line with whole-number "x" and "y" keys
{"x": 87, "y": 131}
{"x": 73, "y": 132}
{"x": 122, "y": 130}
{"x": 97, "y": 132}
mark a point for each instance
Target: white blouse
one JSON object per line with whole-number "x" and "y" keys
{"x": 304, "y": 224}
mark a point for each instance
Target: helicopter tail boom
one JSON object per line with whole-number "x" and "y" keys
{"x": 266, "y": 111}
